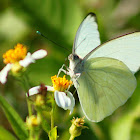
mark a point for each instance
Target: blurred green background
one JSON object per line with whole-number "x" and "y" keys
{"x": 59, "y": 21}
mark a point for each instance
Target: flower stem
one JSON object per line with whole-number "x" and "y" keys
{"x": 71, "y": 137}
{"x": 37, "y": 135}
{"x": 31, "y": 134}
{"x": 52, "y": 118}
{"x": 52, "y": 114}
{"x": 29, "y": 106}
{"x": 27, "y": 83}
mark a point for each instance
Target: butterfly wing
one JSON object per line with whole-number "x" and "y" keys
{"x": 104, "y": 85}
{"x": 87, "y": 36}
{"x": 125, "y": 48}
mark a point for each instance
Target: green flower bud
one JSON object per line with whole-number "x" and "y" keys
{"x": 76, "y": 127}
{"x": 40, "y": 101}
{"x": 33, "y": 121}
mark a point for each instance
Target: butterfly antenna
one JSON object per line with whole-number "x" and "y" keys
{"x": 51, "y": 40}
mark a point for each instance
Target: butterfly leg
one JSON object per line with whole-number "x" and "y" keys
{"x": 75, "y": 81}
{"x": 62, "y": 70}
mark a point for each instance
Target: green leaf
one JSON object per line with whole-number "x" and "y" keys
{"x": 6, "y": 135}
{"x": 15, "y": 120}
{"x": 53, "y": 134}
{"x": 45, "y": 126}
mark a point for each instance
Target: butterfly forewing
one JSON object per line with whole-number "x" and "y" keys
{"x": 104, "y": 85}
{"x": 87, "y": 37}
{"x": 125, "y": 49}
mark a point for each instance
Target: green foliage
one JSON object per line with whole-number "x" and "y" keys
{"x": 123, "y": 127}
{"x": 6, "y": 135}
{"x": 45, "y": 126}
{"x": 53, "y": 134}
{"x": 54, "y": 18}
{"x": 16, "y": 122}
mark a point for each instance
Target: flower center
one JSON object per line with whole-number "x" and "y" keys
{"x": 15, "y": 55}
{"x": 78, "y": 121}
{"x": 60, "y": 83}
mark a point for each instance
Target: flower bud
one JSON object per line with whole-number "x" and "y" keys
{"x": 76, "y": 127}
{"x": 33, "y": 121}
{"x": 40, "y": 101}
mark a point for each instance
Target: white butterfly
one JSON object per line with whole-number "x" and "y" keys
{"x": 103, "y": 74}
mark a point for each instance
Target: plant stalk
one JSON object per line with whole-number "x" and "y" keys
{"x": 71, "y": 137}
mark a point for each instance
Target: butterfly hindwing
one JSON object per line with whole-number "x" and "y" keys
{"x": 104, "y": 85}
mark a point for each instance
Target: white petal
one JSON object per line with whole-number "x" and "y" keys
{"x": 72, "y": 101}
{"x": 62, "y": 100}
{"x": 27, "y": 60}
{"x": 34, "y": 90}
{"x": 39, "y": 54}
{"x": 4, "y": 73}
{"x": 65, "y": 101}
{"x": 49, "y": 88}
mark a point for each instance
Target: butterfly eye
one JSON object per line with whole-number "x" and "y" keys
{"x": 73, "y": 57}
{"x": 76, "y": 57}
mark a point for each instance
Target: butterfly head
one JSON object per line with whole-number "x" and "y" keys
{"x": 74, "y": 64}
{"x": 73, "y": 57}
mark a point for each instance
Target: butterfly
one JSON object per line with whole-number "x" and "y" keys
{"x": 103, "y": 74}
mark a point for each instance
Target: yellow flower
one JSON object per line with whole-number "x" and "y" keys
{"x": 60, "y": 83}
{"x": 18, "y": 59}
{"x": 63, "y": 97}
{"x": 15, "y": 55}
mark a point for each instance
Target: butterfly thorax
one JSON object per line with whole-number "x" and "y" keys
{"x": 76, "y": 64}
